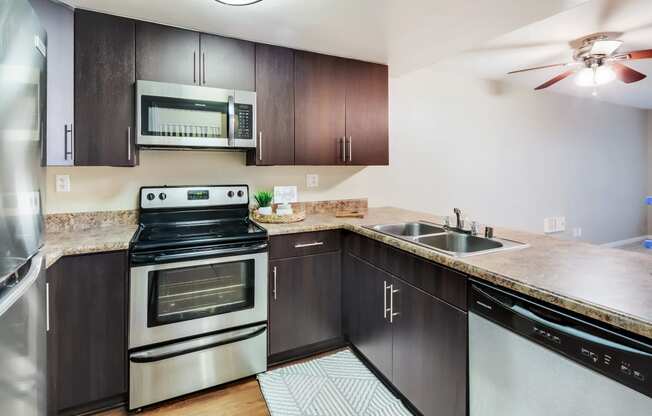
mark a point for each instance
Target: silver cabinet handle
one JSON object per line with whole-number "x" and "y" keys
{"x": 315, "y": 244}
{"x": 129, "y": 143}
{"x": 350, "y": 148}
{"x": 385, "y": 309}
{"x": 47, "y": 307}
{"x": 194, "y": 67}
{"x": 203, "y": 60}
{"x": 260, "y": 146}
{"x": 67, "y": 151}
{"x": 274, "y": 289}
{"x": 392, "y": 314}
{"x": 344, "y": 149}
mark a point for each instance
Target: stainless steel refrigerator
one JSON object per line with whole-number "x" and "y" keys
{"x": 23, "y": 299}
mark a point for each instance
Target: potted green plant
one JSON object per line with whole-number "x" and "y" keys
{"x": 264, "y": 201}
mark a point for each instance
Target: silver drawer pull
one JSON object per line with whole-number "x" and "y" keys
{"x": 274, "y": 290}
{"x": 315, "y": 244}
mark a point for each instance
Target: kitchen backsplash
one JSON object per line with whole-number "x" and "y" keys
{"x": 77, "y": 221}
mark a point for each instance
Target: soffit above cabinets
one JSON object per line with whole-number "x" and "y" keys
{"x": 383, "y": 31}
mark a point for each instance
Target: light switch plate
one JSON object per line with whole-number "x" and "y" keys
{"x": 312, "y": 180}
{"x": 62, "y": 183}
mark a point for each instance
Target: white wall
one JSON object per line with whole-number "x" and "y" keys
{"x": 507, "y": 156}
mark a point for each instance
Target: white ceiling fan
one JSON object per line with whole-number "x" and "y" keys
{"x": 597, "y": 61}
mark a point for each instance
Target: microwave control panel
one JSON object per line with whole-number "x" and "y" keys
{"x": 244, "y": 114}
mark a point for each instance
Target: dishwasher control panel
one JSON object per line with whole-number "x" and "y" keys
{"x": 615, "y": 355}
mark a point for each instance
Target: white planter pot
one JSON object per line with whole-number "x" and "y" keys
{"x": 265, "y": 210}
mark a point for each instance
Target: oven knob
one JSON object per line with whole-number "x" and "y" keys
{"x": 150, "y": 196}
{"x": 240, "y": 194}
{"x": 162, "y": 196}
{"x": 230, "y": 194}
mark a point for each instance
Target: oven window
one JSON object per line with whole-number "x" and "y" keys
{"x": 177, "y": 295}
{"x": 175, "y": 117}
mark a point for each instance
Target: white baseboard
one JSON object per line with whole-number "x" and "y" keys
{"x": 621, "y": 243}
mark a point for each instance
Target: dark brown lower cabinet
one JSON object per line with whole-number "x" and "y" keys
{"x": 88, "y": 337}
{"x": 429, "y": 352}
{"x": 374, "y": 332}
{"x": 304, "y": 301}
{"x": 422, "y": 348}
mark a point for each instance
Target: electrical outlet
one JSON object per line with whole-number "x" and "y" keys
{"x": 577, "y": 232}
{"x": 62, "y": 183}
{"x": 554, "y": 225}
{"x": 312, "y": 180}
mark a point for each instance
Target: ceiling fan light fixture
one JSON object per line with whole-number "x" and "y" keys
{"x": 592, "y": 77}
{"x": 238, "y": 2}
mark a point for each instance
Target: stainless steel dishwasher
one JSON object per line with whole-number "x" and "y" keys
{"x": 528, "y": 359}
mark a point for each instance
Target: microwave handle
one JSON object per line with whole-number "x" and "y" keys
{"x": 231, "y": 120}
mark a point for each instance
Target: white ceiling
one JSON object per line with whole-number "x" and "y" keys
{"x": 406, "y": 34}
{"x": 547, "y": 42}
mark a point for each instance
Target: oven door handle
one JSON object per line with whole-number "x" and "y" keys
{"x": 216, "y": 252}
{"x": 199, "y": 344}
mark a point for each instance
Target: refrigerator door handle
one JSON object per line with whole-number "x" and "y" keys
{"x": 22, "y": 285}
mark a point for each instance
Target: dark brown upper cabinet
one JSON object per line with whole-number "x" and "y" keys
{"x": 227, "y": 63}
{"x": 167, "y": 54}
{"x": 104, "y": 90}
{"x": 320, "y": 109}
{"x": 275, "y": 106}
{"x": 367, "y": 114}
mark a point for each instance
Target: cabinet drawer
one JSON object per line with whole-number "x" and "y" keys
{"x": 303, "y": 244}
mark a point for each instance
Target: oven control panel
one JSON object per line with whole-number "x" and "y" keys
{"x": 193, "y": 196}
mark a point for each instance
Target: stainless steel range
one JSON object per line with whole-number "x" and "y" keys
{"x": 198, "y": 292}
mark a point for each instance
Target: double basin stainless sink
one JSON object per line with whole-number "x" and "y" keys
{"x": 444, "y": 240}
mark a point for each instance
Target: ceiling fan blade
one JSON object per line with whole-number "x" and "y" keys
{"x": 627, "y": 74}
{"x": 605, "y": 47}
{"x": 556, "y": 79}
{"x": 539, "y": 67}
{"x": 644, "y": 54}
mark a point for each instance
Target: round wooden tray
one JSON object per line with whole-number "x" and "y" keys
{"x": 278, "y": 219}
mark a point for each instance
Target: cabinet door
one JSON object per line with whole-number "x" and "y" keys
{"x": 88, "y": 317}
{"x": 367, "y": 113}
{"x": 166, "y": 54}
{"x": 227, "y": 63}
{"x": 320, "y": 109}
{"x": 104, "y": 90}
{"x": 275, "y": 106}
{"x": 58, "y": 20}
{"x": 430, "y": 343}
{"x": 350, "y": 299}
{"x": 374, "y": 337}
{"x": 305, "y": 301}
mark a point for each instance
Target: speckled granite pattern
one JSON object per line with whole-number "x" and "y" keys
{"x": 610, "y": 285}
{"x": 91, "y": 240}
{"x": 331, "y": 207}
{"x": 85, "y": 220}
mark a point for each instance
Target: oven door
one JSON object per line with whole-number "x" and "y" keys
{"x": 177, "y": 300}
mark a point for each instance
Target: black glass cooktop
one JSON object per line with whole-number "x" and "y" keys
{"x": 152, "y": 236}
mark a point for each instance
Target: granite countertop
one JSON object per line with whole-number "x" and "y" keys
{"x": 90, "y": 240}
{"x": 610, "y": 285}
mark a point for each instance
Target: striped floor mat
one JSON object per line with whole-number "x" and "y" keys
{"x": 335, "y": 385}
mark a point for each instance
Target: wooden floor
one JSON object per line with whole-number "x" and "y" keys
{"x": 235, "y": 399}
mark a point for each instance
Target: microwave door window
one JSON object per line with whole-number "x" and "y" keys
{"x": 173, "y": 117}
{"x": 184, "y": 294}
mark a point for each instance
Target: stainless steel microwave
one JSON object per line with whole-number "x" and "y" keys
{"x": 188, "y": 116}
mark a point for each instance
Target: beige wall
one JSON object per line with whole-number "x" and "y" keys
{"x": 649, "y": 179}
{"x": 507, "y": 156}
